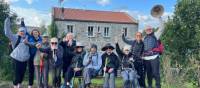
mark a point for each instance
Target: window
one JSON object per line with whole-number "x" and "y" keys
{"x": 106, "y": 32}
{"x": 98, "y": 29}
{"x": 125, "y": 31}
{"x": 90, "y": 31}
{"x": 70, "y": 28}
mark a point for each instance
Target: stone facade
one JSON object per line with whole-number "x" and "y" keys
{"x": 80, "y": 30}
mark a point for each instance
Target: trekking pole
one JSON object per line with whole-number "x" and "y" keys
{"x": 106, "y": 62}
{"x": 74, "y": 76}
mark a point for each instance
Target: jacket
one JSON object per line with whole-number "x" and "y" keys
{"x": 96, "y": 61}
{"x": 125, "y": 59}
{"x": 77, "y": 60}
{"x": 59, "y": 54}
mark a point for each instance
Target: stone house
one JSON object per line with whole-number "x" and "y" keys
{"x": 92, "y": 26}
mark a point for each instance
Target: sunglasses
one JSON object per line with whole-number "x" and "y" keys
{"x": 126, "y": 50}
{"x": 54, "y": 43}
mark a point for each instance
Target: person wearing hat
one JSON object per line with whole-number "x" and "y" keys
{"x": 55, "y": 55}
{"x": 137, "y": 48}
{"x": 42, "y": 70}
{"x": 76, "y": 65}
{"x": 20, "y": 57}
{"x": 92, "y": 62}
{"x": 110, "y": 66}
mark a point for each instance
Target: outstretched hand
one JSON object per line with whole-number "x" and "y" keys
{"x": 116, "y": 40}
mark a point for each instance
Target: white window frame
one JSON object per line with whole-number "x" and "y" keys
{"x": 70, "y": 29}
{"x": 106, "y": 32}
{"x": 90, "y": 28}
{"x": 125, "y": 29}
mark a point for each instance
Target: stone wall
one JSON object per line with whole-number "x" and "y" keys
{"x": 81, "y": 32}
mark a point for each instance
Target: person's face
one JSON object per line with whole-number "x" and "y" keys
{"x": 45, "y": 39}
{"x": 21, "y": 33}
{"x": 93, "y": 50}
{"x": 109, "y": 51}
{"x": 138, "y": 36}
{"x": 149, "y": 30}
{"x": 54, "y": 45}
{"x": 69, "y": 36}
{"x": 79, "y": 49}
{"x": 35, "y": 34}
{"x": 126, "y": 51}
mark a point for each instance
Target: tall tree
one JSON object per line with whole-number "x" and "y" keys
{"x": 182, "y": 34}
{"x": 5, "y": 62}
{"x": 53, "y": 30}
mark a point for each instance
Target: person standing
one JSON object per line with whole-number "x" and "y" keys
{"x": 151, "y": 57}
{"x": 68, "y": 45}
{"x": 41, "y": 63}
{"x": 34, "y": 59}
{"x": 20, "y": 53}
{"x": 55, "y": 55}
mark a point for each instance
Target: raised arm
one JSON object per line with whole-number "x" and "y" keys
{"x": 118, "y": 50}
{"x": 7, "y": 30}
{"x": 160, "y": 31}
{"x": 129, "y": 42}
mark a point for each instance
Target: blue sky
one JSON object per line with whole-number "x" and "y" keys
{"x": 38, "y": 12}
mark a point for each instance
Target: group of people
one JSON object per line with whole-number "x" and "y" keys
{"x": 68, "y": 58}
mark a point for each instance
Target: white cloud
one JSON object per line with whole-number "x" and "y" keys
{"x": 32, "y": 16}
{"x": 103, "y": 2}
{"x": 145, "y": 19}
{"x": 29, "y": 1}
{"x": 10, "y": 1}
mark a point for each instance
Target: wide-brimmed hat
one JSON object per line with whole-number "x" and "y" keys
{"x": 79, "y": 44}
{"x": 107, "y": 46}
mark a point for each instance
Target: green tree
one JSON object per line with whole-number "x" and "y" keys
{"x": 182, "y": 33}
{"x": 53, "y": 30}
{"x": 5, "y": 61}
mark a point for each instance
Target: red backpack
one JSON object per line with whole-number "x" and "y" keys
{"x": 159, "y": 48}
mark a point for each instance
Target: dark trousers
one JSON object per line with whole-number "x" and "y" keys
{"x": 19, "y": 71}
{"x": 30, "y": 71}
{"x": 56, "y": 75}
{"x": 152, "y": 69}
{"x": 139, "y": 67}
{"x": 71, "y": 73}
{"x": 65, "y": 67}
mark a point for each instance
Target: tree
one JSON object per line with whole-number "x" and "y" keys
{"x": 182, "y": 33}
{"x": 5, "y": 61}
{"x": 53, "y": 30}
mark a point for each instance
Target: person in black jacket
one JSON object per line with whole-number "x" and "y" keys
{"x": 55, "y": 55}
{"x": 128, "y": 72}
{"x": 137, "y": 48}
{"x": 68, "y": 45}
{"x": 110, "y": 66}
{"x": 76, "y": 65}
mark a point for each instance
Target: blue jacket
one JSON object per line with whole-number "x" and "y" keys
{"x": 150, "y": 42}
{"x": 96, "y": 61}
{"x": 32, "y": 42}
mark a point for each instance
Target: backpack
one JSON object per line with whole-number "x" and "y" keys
{"x": 159, "y": 48}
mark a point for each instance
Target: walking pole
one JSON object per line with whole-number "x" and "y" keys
{"x": 105, "y": 66}
{"x": 74, "y": 76}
